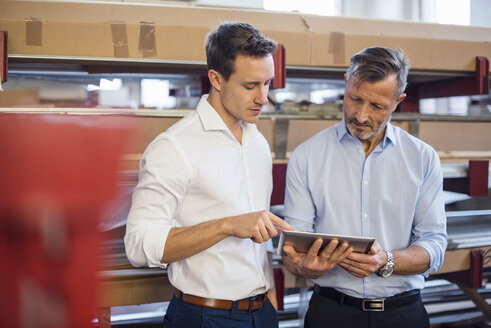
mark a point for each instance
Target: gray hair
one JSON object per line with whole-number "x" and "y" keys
{"x": 377, "y": 63}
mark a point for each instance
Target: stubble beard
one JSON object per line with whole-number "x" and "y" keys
{"x": 375, "y": 129}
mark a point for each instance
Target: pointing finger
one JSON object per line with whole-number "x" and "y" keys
{"x": 279, "y": 222}
{"x": 271, "y": 229}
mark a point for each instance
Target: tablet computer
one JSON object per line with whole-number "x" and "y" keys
{"x": 302, "y": 241}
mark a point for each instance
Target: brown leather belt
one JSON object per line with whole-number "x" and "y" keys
{"x": 248, "y": 304}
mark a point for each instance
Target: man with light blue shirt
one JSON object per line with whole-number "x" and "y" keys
{"x": 366, "y": 177}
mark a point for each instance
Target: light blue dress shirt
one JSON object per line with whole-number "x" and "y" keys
{"x": 394, "y": 195}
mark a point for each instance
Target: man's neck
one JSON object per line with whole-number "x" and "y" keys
{"x": 233, "y": 124}
{"x": 370, "y": 144}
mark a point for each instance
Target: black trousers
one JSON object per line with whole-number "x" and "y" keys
{"x": 324, "y": 312}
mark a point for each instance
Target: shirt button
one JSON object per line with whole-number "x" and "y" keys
{"x": 360, "y": 151}
{"x": 367, "y": 279}
{"x": 365, "y": 215}
{"x": 365, "y": 182}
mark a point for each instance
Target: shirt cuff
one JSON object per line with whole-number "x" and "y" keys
{"x": 153, "y": 245}
{"x": 436, "y": 256}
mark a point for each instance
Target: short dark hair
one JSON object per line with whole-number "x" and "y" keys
{"x": 229, "y": 39}
{"x": 377, "y": 63}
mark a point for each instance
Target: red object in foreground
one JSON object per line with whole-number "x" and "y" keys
{"x": 56, "y": 173}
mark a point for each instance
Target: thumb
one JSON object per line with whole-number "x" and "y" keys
{"x": 290, "y": 251}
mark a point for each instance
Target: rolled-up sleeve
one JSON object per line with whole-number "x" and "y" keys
{"x": 430, "y": 222}
{"x": 162, "y": 182}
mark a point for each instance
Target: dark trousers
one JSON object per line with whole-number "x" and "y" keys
{"x": 184, "y": 315}
{"x": 324, "y": 312}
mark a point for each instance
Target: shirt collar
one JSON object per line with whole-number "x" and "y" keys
{"x": 208, "y": 116}
{"x": 212, "y": 121}
{"x": 390, "y": 135}
{"x": 342, "y": 131}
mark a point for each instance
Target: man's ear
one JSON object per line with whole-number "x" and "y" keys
{"x": 215, "y": 79}
{"x": 399, "y": 100}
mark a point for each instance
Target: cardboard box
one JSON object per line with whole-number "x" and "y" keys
{"x": 13, "y": 98}
{"x": 123, "y": 30}
{"x": 456, "y": 136}
{"x": 177, "y": 33}
{"x": 429, "y": 46}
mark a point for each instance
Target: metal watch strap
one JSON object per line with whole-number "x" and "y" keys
{"x": 387, "y": 268}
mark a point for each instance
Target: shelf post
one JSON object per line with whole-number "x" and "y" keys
{"x": 3, "y": 57}
{"x": 279, "y": 80}
{"x": 476, "y": 182}
{"x": 478, "y": 178}
{"x": 476, "y": 84}
{"x": 482, "y": 75}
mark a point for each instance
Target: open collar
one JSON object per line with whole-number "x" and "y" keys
{"x": 211, "y": 121}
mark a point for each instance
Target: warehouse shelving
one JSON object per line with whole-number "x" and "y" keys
{"x": 436, "y": 72}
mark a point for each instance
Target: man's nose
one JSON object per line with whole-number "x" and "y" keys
{"x": 262, "y": 96}
{"x": 362, "y": 113}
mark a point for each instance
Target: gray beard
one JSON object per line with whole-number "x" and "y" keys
{"x": 369, "y": 135}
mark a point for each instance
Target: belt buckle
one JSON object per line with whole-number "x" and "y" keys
{"x": 373, "y": 305}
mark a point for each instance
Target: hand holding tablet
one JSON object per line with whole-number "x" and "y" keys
{"x": 302, "y": 241}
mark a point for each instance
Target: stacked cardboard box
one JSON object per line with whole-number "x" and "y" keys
{"x": 153, "y": 31}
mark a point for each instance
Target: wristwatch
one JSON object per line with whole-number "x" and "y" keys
{"x": 387, "y": 269}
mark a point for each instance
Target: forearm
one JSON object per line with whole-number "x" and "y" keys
{"x": 184, "y": 242}
{"x": 412, "y": 260}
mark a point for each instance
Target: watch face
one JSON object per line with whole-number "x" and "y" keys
{"x": 388, "y": 268}
{"x": 387, "y": 271}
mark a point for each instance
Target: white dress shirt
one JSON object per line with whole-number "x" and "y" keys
{"x": 194, "y": 172}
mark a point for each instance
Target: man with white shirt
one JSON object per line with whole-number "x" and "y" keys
{"x": 366, "y": 177}
{"x": 201, "y": 204}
